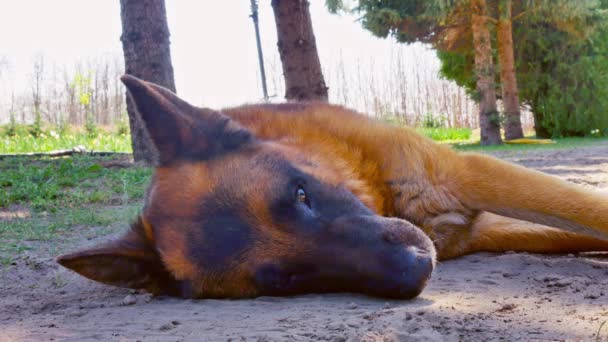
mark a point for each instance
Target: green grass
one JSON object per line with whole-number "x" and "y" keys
{"x": 53, "y": 184}
{"x": 18, "y": 236}
{"x": 50, "y": 139}
{"x": 62, "y": 197}
{"x": 443, "y": 134}
{"x": 562, "y": 143}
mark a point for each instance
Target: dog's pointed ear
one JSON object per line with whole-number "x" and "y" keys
{"x": 127, "y": 262}
{"x": 179, "y": 130}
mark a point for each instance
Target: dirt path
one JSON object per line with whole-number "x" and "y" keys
{"x": 476, "y": 298}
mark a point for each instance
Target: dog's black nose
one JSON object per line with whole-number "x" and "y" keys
{"x": 406, "y": 274}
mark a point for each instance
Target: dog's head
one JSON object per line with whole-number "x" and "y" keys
{"x": 230, "y": 215}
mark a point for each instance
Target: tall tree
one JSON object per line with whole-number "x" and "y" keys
{"x": 298, "y": 50}
{"x": 498, "y": 14}
{"x": 445, "y": 24}
{"x": 484, "y": 72}
{"x": 37, "y": 78}
{"x": 562, "y": 58}
{"x": 145, "y": 44}
{"x": 508, "y": 78}
{"x": 564, "y": 71}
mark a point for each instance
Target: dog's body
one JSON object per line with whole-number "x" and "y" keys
{"x": 293, "y": 198}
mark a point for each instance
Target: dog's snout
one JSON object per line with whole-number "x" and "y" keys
{"x": 392, "y": 237}
{"x": 395, "y": 258}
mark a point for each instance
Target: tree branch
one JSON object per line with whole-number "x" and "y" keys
{"x": 519, "y": 15}
{"x": 490, "y": 19}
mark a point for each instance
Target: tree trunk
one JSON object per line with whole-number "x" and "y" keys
{"x": 145, "y": 44}
{"x": 508, "y": 80}
{"x": 489, "y": 122}
{"x": 298, "y": 50}
{"x": 539, "y": 115}
{"x": 540, "y": 130}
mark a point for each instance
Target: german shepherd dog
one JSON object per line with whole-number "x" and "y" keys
{"x": 285, "y": 199}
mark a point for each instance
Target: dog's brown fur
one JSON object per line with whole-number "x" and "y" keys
{"x": 450, "y": 195}
{"x": 464, "y": 202}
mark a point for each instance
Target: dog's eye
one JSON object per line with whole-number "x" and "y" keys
{"x": 301, "y": 196}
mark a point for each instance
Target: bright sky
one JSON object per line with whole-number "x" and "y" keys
{"x": 212, "y": 42}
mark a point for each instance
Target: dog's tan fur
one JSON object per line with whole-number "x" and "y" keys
{"x": 450, "y": 195}
{"x": 464, "y": 202}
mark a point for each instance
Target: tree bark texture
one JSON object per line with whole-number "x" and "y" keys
{"x": 484, "y": 72}
{"x": 145, "y": 43}
{"x": 508, "y": 80}
{"x": 298, "y": 50}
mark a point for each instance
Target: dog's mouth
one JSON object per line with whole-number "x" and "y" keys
{"x": 404, "y": 280}
{"x": 371, "y": 255}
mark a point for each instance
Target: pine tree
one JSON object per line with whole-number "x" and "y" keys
{"x": 446, "y": 24}
{"x": 562, "y": 57}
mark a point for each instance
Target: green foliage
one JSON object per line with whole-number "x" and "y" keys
{"x": 11, "y": 128}
{"x": 36, "y": 127}
{"x": 90, "y": 126}
{"x": 82, "y": 86}
{"x": 561, "y": 52}
{"x": 64, "y": 127}
{"x": 405, "y": 20}
{"x": 458, "y": 67}
{"x": 122, "y": 127}
{"x": 563, "y": 78}
{"x": 336, "y": 6}
{"x": 431, "y": 121}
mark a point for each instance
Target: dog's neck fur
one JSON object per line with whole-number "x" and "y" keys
{"x": 407, "y": 177}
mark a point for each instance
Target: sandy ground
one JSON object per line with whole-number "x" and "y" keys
{"x": 513, "y": 296}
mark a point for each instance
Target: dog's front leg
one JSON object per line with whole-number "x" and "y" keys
{"x": 488, "y": 184}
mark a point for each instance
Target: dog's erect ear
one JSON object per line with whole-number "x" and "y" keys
{"x": 128, "y": 262}
{"x": 179, "y": 130}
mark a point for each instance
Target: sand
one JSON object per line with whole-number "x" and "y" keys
{"x": 481, "y": 297}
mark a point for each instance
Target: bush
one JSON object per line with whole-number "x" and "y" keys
{"x": 36, "y": 127}
{"x": 122, "y": 127}
{"x": 91, "y": 126}
{"x": 11, "y": 129}
{"x": 64, "y": 127}
{"x": 431, "y": 121}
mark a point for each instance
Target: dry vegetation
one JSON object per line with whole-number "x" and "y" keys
{"x": 406, "y": 90}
